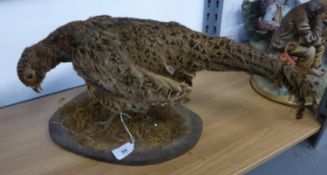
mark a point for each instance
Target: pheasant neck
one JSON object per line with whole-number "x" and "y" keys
{"x": 48, "y": 59}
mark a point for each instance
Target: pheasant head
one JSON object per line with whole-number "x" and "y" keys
{"x": 28, "y": 69}
{"x": 40, "y": 58}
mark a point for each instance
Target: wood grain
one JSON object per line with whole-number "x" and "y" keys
{"x": 241, "y": 130}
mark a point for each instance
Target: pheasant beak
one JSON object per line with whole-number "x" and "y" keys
{"x": 37, "y": 88}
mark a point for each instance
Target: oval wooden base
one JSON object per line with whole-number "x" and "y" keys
{"x": 141, "y": 155}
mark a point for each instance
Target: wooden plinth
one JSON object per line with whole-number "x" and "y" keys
{"x": 143, "y": 153}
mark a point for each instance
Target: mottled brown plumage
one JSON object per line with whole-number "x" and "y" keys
{"x": 132, "y": 64}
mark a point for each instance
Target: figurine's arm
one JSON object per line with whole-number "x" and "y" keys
{"x": 310, "y": 35}
{"x": 270, "y": 14}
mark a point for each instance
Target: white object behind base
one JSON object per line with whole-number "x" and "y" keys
{"x": 24, "y": 23}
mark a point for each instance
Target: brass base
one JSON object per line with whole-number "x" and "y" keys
{"x": 274, "y": 93}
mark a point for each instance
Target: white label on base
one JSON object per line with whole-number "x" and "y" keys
{"x": 123, "y": 151}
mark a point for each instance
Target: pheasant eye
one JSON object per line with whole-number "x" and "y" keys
{"x": 29, "y": 76}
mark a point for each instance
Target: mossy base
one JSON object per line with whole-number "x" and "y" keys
{"x": 161, "y": 134}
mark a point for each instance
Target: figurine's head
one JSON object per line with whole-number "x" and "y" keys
{"x": 322, "y": 2}
{"x": 318, "y": 5}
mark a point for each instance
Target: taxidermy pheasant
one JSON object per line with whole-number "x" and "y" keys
{"x": 133, "y": 64}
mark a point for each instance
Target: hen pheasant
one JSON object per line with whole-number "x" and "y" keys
{"x": 133, "y": 64}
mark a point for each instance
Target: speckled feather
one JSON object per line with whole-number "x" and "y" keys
{"x": 133, "y": 64}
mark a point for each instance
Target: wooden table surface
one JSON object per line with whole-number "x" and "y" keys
{"x": 241, "y": 130}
